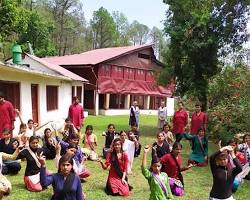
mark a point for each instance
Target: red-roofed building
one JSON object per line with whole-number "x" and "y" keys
{"x": 117, "y": 77}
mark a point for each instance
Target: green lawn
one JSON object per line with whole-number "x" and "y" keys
{"x": 197, "y": 180}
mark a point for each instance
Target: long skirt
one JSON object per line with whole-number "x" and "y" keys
{"x": 32, "y": 185}
{"x": 176, "y": 187}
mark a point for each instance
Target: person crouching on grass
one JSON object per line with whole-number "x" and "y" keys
{"x": 117, "y": 160}
{"x": 223, "y": 176}
{"x": 172, "y": 165}
{"x": 66, "y": 184}
{"x": 157, "y": 180}
{"x": 32, "y": 171}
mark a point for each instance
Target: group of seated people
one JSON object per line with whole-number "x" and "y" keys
{"x": 164, "y": 176}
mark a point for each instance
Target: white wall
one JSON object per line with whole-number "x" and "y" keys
{"x": 37, "y": 66}
{"x": 25, "y": 80}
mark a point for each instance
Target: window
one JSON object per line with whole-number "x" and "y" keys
{"x": 140, "y": 75}
{"x": 79, "y": 93}
{"x": 150, "y": 76}
{"x": 144, "y": 56}
{"x": 52, "y": 97}
{"x": 12, "y": 92}
{"x": 131, "y": 75}
{"x": 117, "y": 72}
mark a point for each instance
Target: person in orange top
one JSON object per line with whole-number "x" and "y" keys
{"x": 90, "y": 143}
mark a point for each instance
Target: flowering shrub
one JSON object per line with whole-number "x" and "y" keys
{"x": 229, "y": 103}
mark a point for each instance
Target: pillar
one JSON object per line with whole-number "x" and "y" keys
{"x": 75, "y": 91}
{"x": 107, "y": 99}
{"x": 147, "y": 102}
{"x": 127, "y": 102}
{"x": 96, "y": 103}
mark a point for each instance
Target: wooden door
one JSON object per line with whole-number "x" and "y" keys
{"x": 34, "y": 100}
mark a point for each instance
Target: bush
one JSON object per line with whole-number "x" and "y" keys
{"x": 229, "y": 103}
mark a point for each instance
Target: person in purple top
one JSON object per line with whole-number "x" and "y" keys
{"x": 74, "y": 139}
{"x": 66, "y": 184}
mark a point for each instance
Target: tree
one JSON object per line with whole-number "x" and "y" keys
{"x": 229, "y": 104}
{"x": 138, "y": 33}
{"x": 39, "y": 34}
{"x": 199, "y": 31}
{"x": 158, "y": 41}
{"x": 65, "y": 13}
{"x": 122, "y": 27}
{"x": 13, "y": 20}
{"x": 104, "y": 29}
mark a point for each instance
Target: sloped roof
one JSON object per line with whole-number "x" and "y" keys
{"x": 57, "y": 69}
{"x": 25, "y": 69}
{"x": 94, "y": 57}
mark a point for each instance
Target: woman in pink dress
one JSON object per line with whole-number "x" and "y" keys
{"x": 117, "y": 161}
{"x": 180, "y": 120}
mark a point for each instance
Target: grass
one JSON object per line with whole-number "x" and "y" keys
{"x": 198, "y": 181}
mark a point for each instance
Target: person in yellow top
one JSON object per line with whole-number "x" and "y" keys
{"x": 5, "y": 185}
{"x": 90, "y": 143}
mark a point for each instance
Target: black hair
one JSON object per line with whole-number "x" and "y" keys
{"x": 134, "y": 124}
{"x": 246, "y": 135}
{"x": 157, "y": 135}
{"x": 201, "y": 129}
{"x": 155, "y": 160}
{"x": 65, "y": 158}
{"x": 89, "y": 127}
{"x": 45, "y": 136}
{"x": 32, "y": 138}
{"x": 176, "y": 145}
{"x": 122, "y": 132}
{"x": 67, "y": 120}
{"x": 22, "y": 125}
{"x": 167, "y": 124}
{"x": 198, "y": 104}
{"x": 6, "y": 130}
{"x": 72, "y": 146}
{"x": 111, "y": 125}
{"x": 114, "y": 141}
{"x": 74, "y": 136}
{"x": 181, "y": 102}
{"x": 30, "y": 120}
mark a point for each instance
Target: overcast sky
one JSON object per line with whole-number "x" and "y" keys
{"x": 148, "y": 12}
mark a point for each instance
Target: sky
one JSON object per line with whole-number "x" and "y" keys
{"x": 148, "y": 12}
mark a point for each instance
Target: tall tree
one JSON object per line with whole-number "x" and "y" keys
{"x": 13, "y": 20}
{"x": 39, "y": 34}
{"x": 122, "y": 27}
{"x": 139, "y": 33}
{"x": 199, "y": 31}
{"x": 63, "y": 12}
{"x": 157, "y": 39}
{"x": 104, "y": 29}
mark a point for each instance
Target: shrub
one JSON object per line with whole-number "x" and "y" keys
{"x": 229, "y": 102}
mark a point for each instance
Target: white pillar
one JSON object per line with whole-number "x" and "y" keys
{"x": 127, "y": 101}
{"x": 107, "y": 99}
{"x": 147, "y": 102}
{"x": 96, "y": 103}
{"x": 82, "y": 97}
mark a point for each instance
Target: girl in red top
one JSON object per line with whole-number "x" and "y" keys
{"x": 172, "y": 162}
{"x": 117, "y": 160}
{"x": 199, "y": 119}
{"x": 180, "y": 120}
